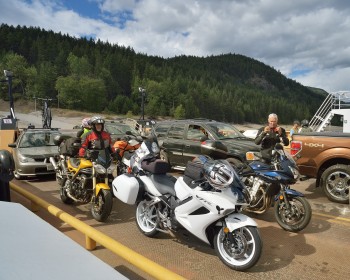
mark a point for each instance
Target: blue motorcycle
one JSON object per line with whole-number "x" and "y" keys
{"x": 269, "y": 184}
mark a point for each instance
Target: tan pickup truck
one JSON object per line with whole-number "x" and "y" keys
{"x": 326, "y": 157}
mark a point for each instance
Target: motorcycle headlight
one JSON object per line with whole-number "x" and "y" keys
{"x": 100, "y": 169}
{"x": 295, "y": 172}
{"x": 24, "y": 159}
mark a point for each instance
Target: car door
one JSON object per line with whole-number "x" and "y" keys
{"x": 192, "y": 142}
{"x": 173, "y": 143}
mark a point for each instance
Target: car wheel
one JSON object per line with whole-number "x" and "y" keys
{"x": 336, "y": 183}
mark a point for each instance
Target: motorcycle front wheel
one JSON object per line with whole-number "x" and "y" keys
{"x": 102, "y": 205}
{"x": 147, "y": 218}
{"x": 297, "y": 217}
{"x": 239, "y": 249}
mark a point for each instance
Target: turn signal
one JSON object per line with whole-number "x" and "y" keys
{"x": 226, "y": 230}
{"x": 250, "y": 156}
{"x": 281, "y": 197}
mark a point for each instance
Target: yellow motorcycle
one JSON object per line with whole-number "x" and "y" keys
{"x": 84, "y": 180}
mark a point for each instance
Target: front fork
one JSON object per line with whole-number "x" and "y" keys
{"x": 285, "y": 193}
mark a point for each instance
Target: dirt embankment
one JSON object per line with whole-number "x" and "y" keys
{"x": 29, "y": 112}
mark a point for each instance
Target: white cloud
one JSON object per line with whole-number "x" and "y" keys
{"x": 287, "y": 35}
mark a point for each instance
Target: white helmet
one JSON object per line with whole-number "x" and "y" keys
{"x": 219, "y": 173}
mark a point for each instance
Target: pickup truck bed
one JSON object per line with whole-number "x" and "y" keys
{"x": 326, "y": 157}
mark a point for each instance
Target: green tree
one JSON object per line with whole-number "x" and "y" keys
{"x": 179, "y": 112}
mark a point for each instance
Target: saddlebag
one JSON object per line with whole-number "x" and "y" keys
{"x": 128, "y": 188}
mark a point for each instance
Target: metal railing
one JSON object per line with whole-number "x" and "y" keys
{"x": 334, "y": 101}
{"x": 92, "y": 236}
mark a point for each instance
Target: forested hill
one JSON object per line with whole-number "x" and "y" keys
{"x": 97, "y": 76}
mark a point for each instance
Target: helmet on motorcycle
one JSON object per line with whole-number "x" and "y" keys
{"x": 219, "y": 173}
{"x": 85, "y": 122}
{"x": 97, "y": 120}
{"x": 7, "y": 166}
{"x": 304, "y": 123}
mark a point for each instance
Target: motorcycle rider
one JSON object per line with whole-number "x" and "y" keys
{"x": 269, "y": 135}
{"x": 85, "y": 128}
{"x": 96, "y": 138}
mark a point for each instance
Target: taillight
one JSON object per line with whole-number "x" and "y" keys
{"x": 295, "y": 147}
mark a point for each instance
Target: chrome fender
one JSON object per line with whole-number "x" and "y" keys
{"x": 238, "y": 220}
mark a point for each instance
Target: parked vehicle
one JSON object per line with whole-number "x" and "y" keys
{"x": 180, "y": 140}
{"x": 32, "y": 150}
{"x": 326, "y": 157}
{"x": 199, "y": 201}
{"x": 118, "y": 130}
{"x": 84, "y": 180}
{"x": 269, "y": 184}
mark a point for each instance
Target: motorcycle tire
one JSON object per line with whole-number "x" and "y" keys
{"x": 244, "y": 252}
{"x": 102, "y": 205}
{"x": 298, "y": 218}
{"x": 335, "y": 183}
{"x": 147, "y": 218}
{"x": 63, "y": 194}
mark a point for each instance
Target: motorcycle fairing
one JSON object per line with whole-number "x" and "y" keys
{"x": 217, "y": 205}
{"x": 238, "y": 220}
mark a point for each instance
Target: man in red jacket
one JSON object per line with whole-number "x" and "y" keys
{"x": 97, "y": 138}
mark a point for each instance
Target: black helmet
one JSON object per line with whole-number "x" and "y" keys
{"x": 304, "y": 123}
{"x": 7, "y": 166}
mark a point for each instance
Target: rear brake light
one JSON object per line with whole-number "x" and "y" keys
{"x": 295, "y": 147}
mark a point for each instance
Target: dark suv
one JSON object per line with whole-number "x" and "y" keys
{"x": 180, "y": 140}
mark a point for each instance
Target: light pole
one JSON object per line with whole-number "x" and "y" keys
{"x": 143, "y": 94}
{"x": 9, "y": 76}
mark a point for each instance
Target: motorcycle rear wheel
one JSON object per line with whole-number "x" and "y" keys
{"x": 241, "y": 254}
{"x": 295, "y": 219}
{"x": 102, "y": 205}
{"x": 147, "y": 218}
{"x": 63, "y": 194}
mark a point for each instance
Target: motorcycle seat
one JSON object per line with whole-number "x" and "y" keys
{"x": 164, "y": 183}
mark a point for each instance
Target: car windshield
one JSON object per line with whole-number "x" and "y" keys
{"x": 37, "y": 139}
{"x": 120, "y": 129}
{"x": 225, "y": 131}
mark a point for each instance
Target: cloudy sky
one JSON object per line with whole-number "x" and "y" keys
{"x": 306, "y": 40}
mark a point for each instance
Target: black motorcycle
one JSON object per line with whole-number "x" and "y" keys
{"x": 269, "y": 184}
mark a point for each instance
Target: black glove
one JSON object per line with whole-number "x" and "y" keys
{"x": 115, "y": 156}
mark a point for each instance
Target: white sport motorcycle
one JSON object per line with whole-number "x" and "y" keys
{"x": 206, "y": 201}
